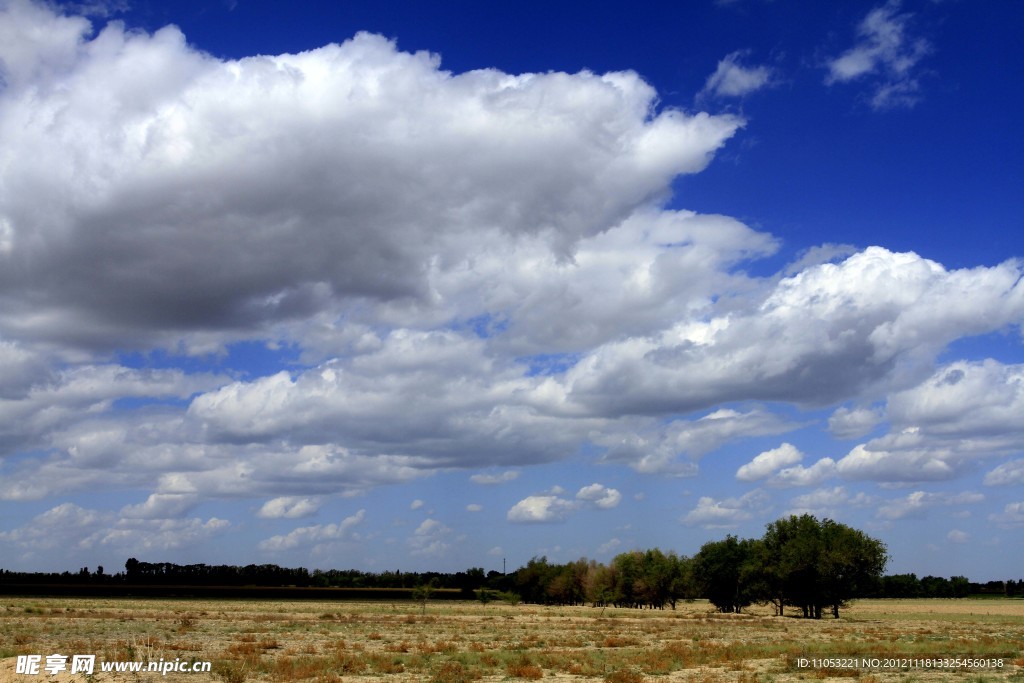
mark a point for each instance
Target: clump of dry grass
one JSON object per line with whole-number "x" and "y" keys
{"x": 619, "y": 641}
{"x": 624, "y": 676}
{"x": 454, "y": 672}
{"x": 230, "y": 671}
{"x": 523, "y": 667}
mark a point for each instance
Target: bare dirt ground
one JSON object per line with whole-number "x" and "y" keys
{"x": 335, "y": 642}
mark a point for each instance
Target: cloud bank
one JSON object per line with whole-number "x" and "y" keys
{"x": 453, "y": 271}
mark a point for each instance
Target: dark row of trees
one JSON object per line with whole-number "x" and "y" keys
{"x": 137, "y": 573}
{"x": 799, "y": 563}
{"x": 909, "y": 586}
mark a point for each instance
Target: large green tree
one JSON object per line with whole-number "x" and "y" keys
{"x": 723, "y": 571}
{"x": 811, "y": 564}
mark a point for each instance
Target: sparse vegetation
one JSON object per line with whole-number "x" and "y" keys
{"x": 463, "y": 642}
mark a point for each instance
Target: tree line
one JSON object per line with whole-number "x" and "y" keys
{"x": 800, "y": 563}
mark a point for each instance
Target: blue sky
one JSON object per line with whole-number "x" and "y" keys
{"x": 430, "y": 286}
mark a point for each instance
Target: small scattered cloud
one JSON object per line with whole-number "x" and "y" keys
{"x": 416, "y": 504}
{"x": 288, "y": 507}
{"x": 1011, "y": 517}
{"x": 600, "y": 496}
{"x": 491, "y": 479}
{"x": 154, "y": 535}
{"x": 161, "y": 506}
{"x": 63, "y": 525}
{"x": 918, "y": 503}
{"x": 886, "y": 54}
{"x": 798, "y": 475}
{"x": 656, "y": 447}
{"x": 958, "y": 536}
{"x": 318, "y": 533}
{"x": 733, "y": 79}
{"x": 431, "y": 539}
{"x": 474, "y": 507}
{"x": 827, "y": 502}
{"x": 541, "y": 509}
{"x": 854, "y": 423}
{"x": 771, "y": 467}
{"x": 552, "y": 507}
{"x": 729, "y": 512}
{"x": 1008, "y": 474}
{"x": 68, "y": 526}
{"x": 764, "y": 464}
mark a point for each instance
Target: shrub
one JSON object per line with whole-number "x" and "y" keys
{"x": 454, "y": 672}
{"x": 624, "y": 676}
{"x": 524, "y": 668}
{"x": 230, "y": 671}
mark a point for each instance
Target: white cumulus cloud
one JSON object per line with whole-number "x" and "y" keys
{"x": 288, "y": 507}
{"x": 765, "y": 464}
{"x": 541, "y": 509}
{"x": 599, "y": 496}
{"x": 315, "y": 534}
{"x": 729, "y": 512}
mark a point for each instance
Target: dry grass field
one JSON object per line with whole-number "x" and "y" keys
{"x": 321, "y": 642}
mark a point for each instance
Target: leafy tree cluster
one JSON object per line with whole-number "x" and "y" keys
{"x": 800, "y": 562}
{"x": 638, "y": 578}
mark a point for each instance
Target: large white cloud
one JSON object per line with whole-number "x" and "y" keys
{"x": 437, "y": 396}
{"x": 965, "y": 414}
{"x": 830, "y": 332}
{"x": 174, "y": 192}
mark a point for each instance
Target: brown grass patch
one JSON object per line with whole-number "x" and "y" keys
{"x": 624, "y": 676}
{"x": 293, "y": 642}
{"x": 524, "y": 668}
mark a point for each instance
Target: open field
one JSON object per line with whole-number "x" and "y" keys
{"x": 335, "y": 642}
